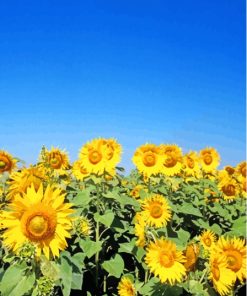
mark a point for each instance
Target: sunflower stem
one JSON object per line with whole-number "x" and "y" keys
{"x": 104, "y": 284}
{"x": 146, "y": 276}
{"x": 203, "y": 275}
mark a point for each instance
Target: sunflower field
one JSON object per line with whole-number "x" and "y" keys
{"x": 174, "y": 226}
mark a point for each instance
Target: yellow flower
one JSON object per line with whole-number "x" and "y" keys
{"x": 40, "y": 217}
{"x": 165, "y": 261}
{"x": 156, "y": 210}
{"x": 148, "y": 160}
{"x": 209, "y": 159}
{"x": 55, "y": 159}
{"x": 79, "y": 170}
{"x": 229, "y": 188}
{"x": 135, "y": 192}
{"x": 241, "y": 169}
{"x": 20, "y": 181}
{"x": 172, "y": 159}
{"x": 235, "y": 251}
{"x": 191, "y": 254}
{"x": 222, "y": 277}
{"x": 207, "y": 238}
{"x": 126, "y": 287}
{"x": 113, "y": 152}
{"x": 83, "y": 226}
{"x": 93, "y": 156}
{"x": 7, "y": 162}
{"x": 191, "y": 164}
{"x": 140, "y": 224}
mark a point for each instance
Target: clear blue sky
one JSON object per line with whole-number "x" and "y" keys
{"x": 139, "y": 71}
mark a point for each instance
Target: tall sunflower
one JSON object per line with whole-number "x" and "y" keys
{"x": 113, "y": 152}
{"x": 191, "y": 254}
{"x": 172, "y": 159}
{"x": 191, "y": 164}
{"x": 235, "y": 251}
{"x": 209, "y": 159}
{"x": 229, "y": 188}
{"x": 126, "y": 287}
{"x": 140, "y": 224}
{"x": 79, "y": 170}
{"x": 40, "y": 217}
{"x": 148, "y": 159}
{"x": 21, "y": 180}
{"x": 207, "y": 239}
{"x": 93, "y": 156}
{"x": 156, "y": 210}
{"x": 7, "y": 162}
{"x": 241, "y": 169}
{"x": 222, "y": 277}
{"x": 165, "y": 261}
{"x": 56, "y": 159}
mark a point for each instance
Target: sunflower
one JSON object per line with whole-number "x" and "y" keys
{"x": 222, "y": 277}
{"x": 156, "y": 210}
{"x": 79, "y": 170}
{"x": 135, "y": 192}
{"x": 40, "y": 217}
{"x": 148, "y": 159}
{"x": 209, "y": 159}
{"x": 172, "y": 159}
{"x": 113, "y": 152}
{"x": 207, "y": 239}
{"x": 165, "y": 261}
{"x": 235, "y": 251}
{"x": 20, "y": 181}
{"x": 126, "y": 287}
{"x": 55, "y": 159}
{"x": 241, "y": 169}
{"x": 93, "y": 156}
{"x": 229, "y": 188}
{"x": 244, "y": 187}
{"x": 7, "y": 162}
{"x": 191, "y": 254}
{"x": 83, "y": 226}
{"x": 140, "y": 224}
{"x": 191, "y": 164}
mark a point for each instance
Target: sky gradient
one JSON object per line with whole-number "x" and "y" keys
{"x": 138, "y": 71}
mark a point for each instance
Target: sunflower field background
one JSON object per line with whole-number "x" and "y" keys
{"x": 174, "y": 226}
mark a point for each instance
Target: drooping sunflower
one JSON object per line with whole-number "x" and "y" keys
{"x": 209, "y": 159}
{"x": 7, "y": 162}
{"x": 79, "y": 170}
{"x": 93, "y": 156}
{"x": 191, "y": 164}
{"x": 165, "y": 261}
{"x": 126, "y": 287}
{"x": 20, "y": 181}
{"x": 40, "y": 217}
{"x": 222, "y": 277}
{"x": 235, "y": 251}
{"x": 229, "y": 188}
{"x": 113, "y": 152}
{"x": 191, "y": 254}
{"x": 207, "y": 239}
{"x": 140, "y": 224}
{"x": 56, "y": 159}
{"x": 156, "y": 210}
{"x": 172, "y": 159}
{"x": 148, "y": 160}
{"x": 241, "y": 169}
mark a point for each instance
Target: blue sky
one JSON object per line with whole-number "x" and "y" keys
{"x": 139, "y": 71}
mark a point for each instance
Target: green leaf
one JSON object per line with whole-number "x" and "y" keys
{"x": 114, "y": 266}
{"x": 66, "y": 276}
{"x": 190, "y": 210}
{"x": 78, "y": 260}
{"x": 49, "y": 268}
{"x": 239, "y": 227}
{"x": 82, "y": 199}
{"x": 12, "y": 277}
{"x": 216, "y": 229}
{"x": 90, "y": 247}
{"x": 105, "y": 219}
{"x": 127, "y": 247}
{"x": 77, "y": 279}
{"x": 183, "y": 236}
